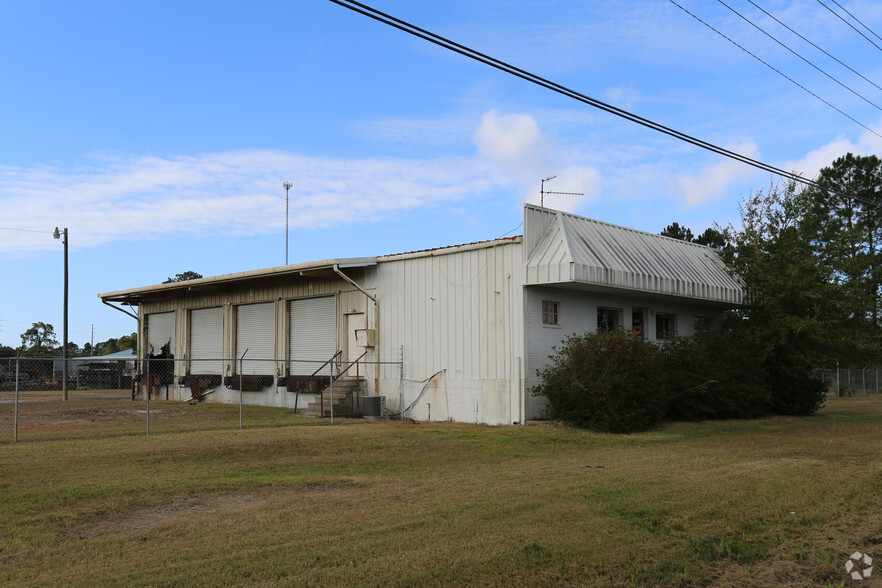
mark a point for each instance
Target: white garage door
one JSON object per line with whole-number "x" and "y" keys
{"x": 255, "y": 332}
{"x": 311, "y": 334}
{"x": 206, "y": 341}
{"x": 160, "y": 332}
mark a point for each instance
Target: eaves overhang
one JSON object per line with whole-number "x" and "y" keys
{"x": 316, "y": 269}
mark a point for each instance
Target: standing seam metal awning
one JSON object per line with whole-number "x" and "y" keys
{"x": 563, "y": 248}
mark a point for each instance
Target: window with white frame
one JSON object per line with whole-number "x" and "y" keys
{"x": 550, "y": 312}
{"x": 665, "y": 325}
{"x": 608, "y": 318}
{"x": 701, "y": 324}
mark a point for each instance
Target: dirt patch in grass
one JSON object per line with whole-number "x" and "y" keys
{"x": 187, "y": 510}
{"x": 193, "y": 509}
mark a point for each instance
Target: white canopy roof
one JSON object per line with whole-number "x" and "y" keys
{"x": 564, "y": 249}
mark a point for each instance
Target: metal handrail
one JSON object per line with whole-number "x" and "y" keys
{"x": 333, "y": 357}
{"x": 343, "y": 371}
{"x": 322, "y": 393}
{"x": 357, "y": 380}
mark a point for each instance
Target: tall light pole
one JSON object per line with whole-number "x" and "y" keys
{"x": 57, "y": 235}
{"x": 287, "y": 186}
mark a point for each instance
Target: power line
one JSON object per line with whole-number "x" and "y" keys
{"x": 815, "y": 46}
{"x": 25, "y": 230}
{"x": 564, "y": 91}
{"x": 769, "y": 35}
{"x": 857, "y": 19}
{"x": 773, "y": 68}
{"x": 839, "y": 16}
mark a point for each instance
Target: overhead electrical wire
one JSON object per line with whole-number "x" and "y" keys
{"x": 816, "y": 47}
{"x": 776, "y": 70}
{"x": 839, "y": 16}
{"x": 416, "y": 31}
{"x": 772, "y": 37}
{"x": 857, "y": 19}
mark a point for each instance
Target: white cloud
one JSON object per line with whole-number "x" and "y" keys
{"x": 810, "y": 165}
{"x": 518, "y": 148}
{"x": 713, "y": 181}
{"x": 127, "y": 198}
{"x": 624, "y": 96}
{"x": 510, "y": 138}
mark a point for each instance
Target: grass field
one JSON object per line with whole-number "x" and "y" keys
{"x": 87, "y": 499}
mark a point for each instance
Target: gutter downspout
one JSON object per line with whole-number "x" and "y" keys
{"x": 376, "y": 326}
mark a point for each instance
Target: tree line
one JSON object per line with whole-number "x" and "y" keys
{"x": 40, "y": 340}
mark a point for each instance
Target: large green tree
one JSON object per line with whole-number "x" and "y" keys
{"x": 183, "y": 277}
{"x": 795, "y": 309}
{"x": 39, "y": 339}
{"x": 675, "y": 231}
{"x": 711, "y": 237}
{"x": 848, "y": 232}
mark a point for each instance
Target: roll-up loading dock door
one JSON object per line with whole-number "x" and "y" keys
{"x": 160, "y": 332}
{"x": 311, "y": 334}
{"x": 206, "y": 341}
{"x": 255, "y": 331}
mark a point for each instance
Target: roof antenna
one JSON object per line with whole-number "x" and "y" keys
{"x": 543, "y": 192}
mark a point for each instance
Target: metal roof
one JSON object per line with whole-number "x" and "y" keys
{"x": 451, "y": 249}
{"x": 563, "y": 248}
{"x": 133, "y": 295}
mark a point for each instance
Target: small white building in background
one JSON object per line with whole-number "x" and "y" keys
{"x": 471, "y": 323}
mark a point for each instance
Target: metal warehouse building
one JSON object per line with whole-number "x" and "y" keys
{"x": 469, "y": 325}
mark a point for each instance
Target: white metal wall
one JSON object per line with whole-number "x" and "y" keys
{"x": 456, "y": 312}
{"x": 206, "y": 340}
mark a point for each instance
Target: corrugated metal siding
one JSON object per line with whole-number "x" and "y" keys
{"x": 258, "y": 291}
{"x": 618, "y": 257}
{"x": 458, "y": 312}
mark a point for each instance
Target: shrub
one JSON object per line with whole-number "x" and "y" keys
{"x": 796, "y": 390}
{"x": 715, "y": 376}
{"x": 607, "y": 381}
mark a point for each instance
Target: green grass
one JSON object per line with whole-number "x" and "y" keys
{"x": 86, "y": 498}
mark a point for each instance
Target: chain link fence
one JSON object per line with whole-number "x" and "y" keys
{"x": 842, "y": 382}
{"x": 333, "y": 388}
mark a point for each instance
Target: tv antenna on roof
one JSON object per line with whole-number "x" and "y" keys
{"x": 543, "y": 192}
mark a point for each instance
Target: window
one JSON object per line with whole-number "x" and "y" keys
{"x": 607, "y": 318}
{"x": 701, "y": 325}
{"x": 665, "y": 325}
{"x": 637, "y": 322}
{"x": 550, "y": 312}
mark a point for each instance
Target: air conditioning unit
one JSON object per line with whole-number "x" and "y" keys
{"x": 373, "y": 407}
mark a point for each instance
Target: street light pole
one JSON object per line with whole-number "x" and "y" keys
{"x": 57, "y": 235}
{"x": 287, "y": 186}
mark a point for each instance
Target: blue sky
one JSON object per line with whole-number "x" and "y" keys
{"x": 160, "y": 133}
